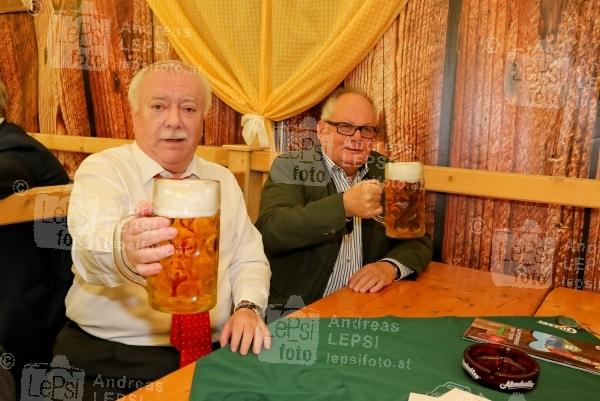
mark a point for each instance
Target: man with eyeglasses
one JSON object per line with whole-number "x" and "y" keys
{"x": 317, "y": 207}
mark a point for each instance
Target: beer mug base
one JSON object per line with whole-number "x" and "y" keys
{"x": 202, "y": 304}
{"x": 404, "y": 234}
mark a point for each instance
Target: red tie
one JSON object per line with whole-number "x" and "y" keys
{"x": 190, "y": 334}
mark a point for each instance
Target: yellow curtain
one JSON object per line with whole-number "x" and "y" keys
{"x": 272, "y": 59}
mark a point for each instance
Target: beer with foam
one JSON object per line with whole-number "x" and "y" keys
{"x": 404, "y": 198}
{"x": 187, "y": 282}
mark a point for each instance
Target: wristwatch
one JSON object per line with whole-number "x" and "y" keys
{"x": 250, "y": 305}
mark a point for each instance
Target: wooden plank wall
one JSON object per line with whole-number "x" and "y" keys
{"x": 526, "y": 98}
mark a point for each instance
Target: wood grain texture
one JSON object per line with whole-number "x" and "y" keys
{"x": 403, "y": 74}
{"x": 19, "y": 68}
{"x": 581, "y": 192}
{"x": 580, "y": 305}
{"x": 438, "y": 293}
{"x": 300, "y": 132}
{"x": 61, "y": 94}
{"x": 11, "y": 6}
{"x": 590, "y": 81}
{"x": 35, "y": 204}
{"x": 222, "y": 125}
{"x": 116, "y": 43}
{"x": 520, "y": 106}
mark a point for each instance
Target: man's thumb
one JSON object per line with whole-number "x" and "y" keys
{"x": 143, "y": 208}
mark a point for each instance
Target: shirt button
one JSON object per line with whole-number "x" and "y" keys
{"x": 332, "y": 232}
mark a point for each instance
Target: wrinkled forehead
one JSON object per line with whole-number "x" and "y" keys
{"x": 355, "y": 108}
{"x": 171, "y": 84}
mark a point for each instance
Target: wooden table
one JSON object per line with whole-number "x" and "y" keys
{"x": 442, "y": 290}
{"x": 584, "y": 306}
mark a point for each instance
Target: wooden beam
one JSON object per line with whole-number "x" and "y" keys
{"x": 215, "y": 154}
{"x": 239, "y": 164}
{"x": 36, "y": 203}
{"x": 520, "y": 187}
{"x": 82, "y": 144}
{"x": 566, "y": 191}
{"x": 86, "y": 144}
{"x": 11, "y": 6}
{"x": 261, "y": 160}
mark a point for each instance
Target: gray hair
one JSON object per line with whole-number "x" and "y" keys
{"x": 3, "y": 99}
{"x": 170, "y": 66}
{"x": 329, "y": 105}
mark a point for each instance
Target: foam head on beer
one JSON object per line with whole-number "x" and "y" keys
{"x": 186, "y": 198}
{"x": 404, "y": 171}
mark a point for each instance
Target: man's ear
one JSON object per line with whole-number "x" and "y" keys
{"x": 321, "y": 129}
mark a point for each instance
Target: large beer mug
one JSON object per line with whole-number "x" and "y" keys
{"x": 404, "y": 200}
{"x": 187, "y": 282}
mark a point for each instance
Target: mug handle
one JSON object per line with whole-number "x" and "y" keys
{"x": 380, "y": 218}
{"x": 131, "y": 276}
{"x": 119, "y": 257}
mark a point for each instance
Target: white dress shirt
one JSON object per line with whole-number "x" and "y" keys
{"x": 108, "y": 186}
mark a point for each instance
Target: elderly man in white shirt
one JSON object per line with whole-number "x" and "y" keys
{"x": 113, "y": 331}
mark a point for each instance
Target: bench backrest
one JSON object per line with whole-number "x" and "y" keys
{"x": 251, "y": 165}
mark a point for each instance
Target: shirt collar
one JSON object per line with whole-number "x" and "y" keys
{"x": 1, "y": 120}
{"x": 149, "y": 168}
{"x": 331, "y": 167}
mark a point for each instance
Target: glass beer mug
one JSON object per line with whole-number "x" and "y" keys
{"x": 404, "y": 200}
{"x": 187, "y": 282}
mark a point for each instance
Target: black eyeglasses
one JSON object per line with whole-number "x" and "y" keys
{"x": 366, "y": 131}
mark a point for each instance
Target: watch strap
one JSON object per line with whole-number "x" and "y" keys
{"x": 250, "y": 305}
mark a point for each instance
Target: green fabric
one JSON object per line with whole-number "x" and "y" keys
{"x": 424, "y": 355}
{"x": 302, "y": 222}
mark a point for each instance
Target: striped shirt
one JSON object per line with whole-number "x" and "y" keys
{"x": 349, "y": 259}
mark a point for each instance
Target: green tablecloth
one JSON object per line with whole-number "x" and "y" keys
{"x": 371, "y": 359}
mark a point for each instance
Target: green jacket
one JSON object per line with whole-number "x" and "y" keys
{"x": 302, "y": 222}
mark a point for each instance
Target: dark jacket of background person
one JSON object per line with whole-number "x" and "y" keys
{"x": 33, "y": 280}
{"x": 7, "y": 383}
{"x": 302, "y": 222}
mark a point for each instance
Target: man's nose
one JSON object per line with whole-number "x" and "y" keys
{"x": 355, "y": 139}
{"x": 173, "y": 118}
{"x": 356, "y": 136}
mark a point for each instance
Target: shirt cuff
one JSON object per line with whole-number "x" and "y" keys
{"x": 405, "y": 271}
{"x": 123, "y": 264}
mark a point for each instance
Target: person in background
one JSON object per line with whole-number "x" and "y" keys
{"x": 317, "y": 207}
{"x": 34, "y": 269}
{"x": 113, "y": 332}
{"x": 7, "y": 383}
